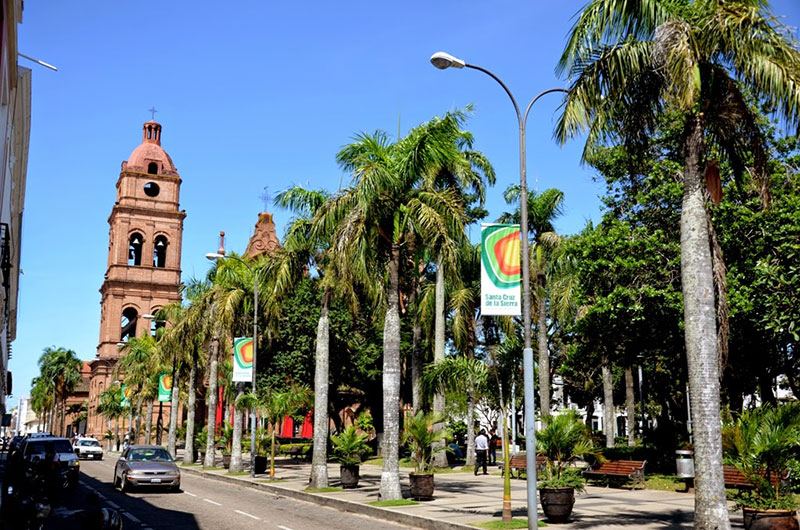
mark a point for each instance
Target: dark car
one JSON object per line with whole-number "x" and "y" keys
{"x": 146, "y": 465}
{"x": 54, "y": 454}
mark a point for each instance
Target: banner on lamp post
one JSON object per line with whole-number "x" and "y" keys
{"x": 500, "y": 270}
{"x": 243, "y": 360}
{"x": 164, "y": 386}
{"x": 125, "y": 394}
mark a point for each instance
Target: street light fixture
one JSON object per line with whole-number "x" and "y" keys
{"x": 442, "y": 61}
{"x": 214, "y": 256}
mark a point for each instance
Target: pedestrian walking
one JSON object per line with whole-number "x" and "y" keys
{"x": 481, "y": 451}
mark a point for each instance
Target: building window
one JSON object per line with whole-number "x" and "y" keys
{"x": 151, "y": 189}
{"x": 152, "y": 168}
{"x": 160, "y": 252}
{"x": 128, "y": 324}
{"x": 135, "y": 249}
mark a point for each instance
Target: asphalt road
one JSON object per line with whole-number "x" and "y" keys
{"x": 209, "y": 505}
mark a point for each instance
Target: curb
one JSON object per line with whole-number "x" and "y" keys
{"x": 339, "y": 504}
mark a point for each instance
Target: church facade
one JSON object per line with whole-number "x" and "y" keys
{"x": 144, "y": 259}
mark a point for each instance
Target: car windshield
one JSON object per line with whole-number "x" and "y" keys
{"x": 89, "y": 443}
{"x": 149, "y": 455}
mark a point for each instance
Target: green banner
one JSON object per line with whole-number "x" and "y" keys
{"x": 243, "y": 359}
{"x": 500, "y": 269}
{"x": 125, "y": 394}
{"x": 164, "y": 386}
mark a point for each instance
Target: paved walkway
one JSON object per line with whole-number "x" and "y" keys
{"x": 462, "y": 499}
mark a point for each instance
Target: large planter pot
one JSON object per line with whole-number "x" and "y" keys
{"x": 261, "y": 465}
{"x": 421, "y": 485}
{"x": 349, "y": 476}
{"x": 770, "y": 519}
{"x": 557, "y": 503}
{"x": 226, "y": 461}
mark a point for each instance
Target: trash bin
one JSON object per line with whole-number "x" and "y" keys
{"x": 684, "y": 463}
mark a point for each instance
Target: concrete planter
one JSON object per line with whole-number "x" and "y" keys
{"x": 557, "y": 503}
{"x": 770, "y": 519}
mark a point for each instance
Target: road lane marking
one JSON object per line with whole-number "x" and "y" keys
{"x": 190, "y": 494}
{"x": 216, "y": 503}
{"x": 131, "y": 517}
{"x": 247, "y": 515}
{"x": 284, "y": 527}
{"x": 113, "y": 505}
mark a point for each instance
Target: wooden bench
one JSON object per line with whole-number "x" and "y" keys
{"x": 736, "y": 479}
{"x": 631, "y": 469}
{"x": 519, "y": 462}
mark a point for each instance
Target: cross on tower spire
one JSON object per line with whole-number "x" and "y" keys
{"x": 152, "y": 111}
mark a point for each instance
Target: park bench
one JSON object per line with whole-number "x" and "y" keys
{"x": 736, "y": 479}
{"x": 630, "y": 469}
{"x": 519, "y": 463}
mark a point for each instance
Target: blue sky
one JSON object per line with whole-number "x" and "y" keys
{"x": 253, "y": 94}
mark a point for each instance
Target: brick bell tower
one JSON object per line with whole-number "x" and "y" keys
{"x": 144, "y": 258}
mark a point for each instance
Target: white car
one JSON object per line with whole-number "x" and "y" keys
{"x": 88, "y": 448}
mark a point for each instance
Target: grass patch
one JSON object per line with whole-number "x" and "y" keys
{"x": 271, "y": 481}
{"x": 665, "y": 483}
{"x": 396, "y": 502}
{"x": 327, "y": 489}
{"x": 238, "y": 473}
{"x": 213, "y": 468}
{"x": 184, "y": 464}
{"x": 377, "y": 461}
{"x": 517, "y": 522}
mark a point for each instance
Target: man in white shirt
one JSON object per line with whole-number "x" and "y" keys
{"x": 481, "y": 450}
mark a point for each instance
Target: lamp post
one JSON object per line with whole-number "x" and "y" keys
{"x": 213, "y": 256}
{"x": 442, "y": 60}
{"x": 160, "y": 420}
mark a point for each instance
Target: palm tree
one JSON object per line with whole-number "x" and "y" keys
{"x": 138, "y": 368}
{"x": 452, "y": 165}
{"x": 627, "y": 61}
{"x": 543, "y": 208}
{"x": 372, "y": 222}
{"x": 63, "y": 368}
{"x": 110, "y": 407}
{"x": 308, "y": 244}
{"x": 274, "y": 406}
{"x": 42, "y": 399}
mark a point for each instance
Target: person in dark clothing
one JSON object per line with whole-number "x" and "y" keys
{"x": 493, "y": 442}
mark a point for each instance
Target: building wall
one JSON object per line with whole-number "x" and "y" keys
{"x": 15, "y": 119}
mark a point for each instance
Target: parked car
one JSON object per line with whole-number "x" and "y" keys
{"x": 88, "y": 448}
{"x": 146, "y": 465}
{"x": 56, "y": 454}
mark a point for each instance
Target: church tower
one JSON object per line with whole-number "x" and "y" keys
{"x": 144, "y": 257}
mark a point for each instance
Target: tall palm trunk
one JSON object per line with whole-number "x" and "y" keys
{"x": 416, "y": 353}
{"x": 471, "y": 413}
{"x": 108, "y": 444}
{"x": 211, "y": 400}
{"x": 137, "y": 430}
{"x": 544, "y": 356}
{"x": 236, "y": 442}
{"x": 390, "y": 474}
{"x": 172, "y": 436}
{"x": 319, "y": 457}
{"x": 700, "y": 335}
{"x": 608, "y": 402}
{"x": 630, "y": 406}
{"x": 191, "y": 407}
{"x": 439, "y": 457}
{"x": 148, "y": 422}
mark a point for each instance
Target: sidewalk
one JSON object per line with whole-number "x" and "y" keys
{"x": 462, "y": 499}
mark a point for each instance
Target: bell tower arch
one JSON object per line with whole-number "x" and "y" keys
{"x": 144, "y": 256}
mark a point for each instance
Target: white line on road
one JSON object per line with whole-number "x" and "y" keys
{"x": 247, "y": 515}
{"x": 113, "y": 505}
{"x": 131, "y": 517}
{"x": 213, "y": 502}
{"x": 190, "y": 494}
{"x": 284, "y": 527}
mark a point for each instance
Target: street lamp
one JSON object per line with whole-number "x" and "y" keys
{"x": 442, "y": 60}
{"x": 214, "y": 256}
{"x": 160, "y": 420}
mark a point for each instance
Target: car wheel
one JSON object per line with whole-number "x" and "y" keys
{"x": 124, "y": 487}
{"x": 115, "y": 483}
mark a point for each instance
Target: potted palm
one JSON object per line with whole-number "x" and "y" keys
{"x": 763, "y": 444}
{"x": 421, "y": 437}
{"x": 563, "y": 440}
{"x": 349, "y": 448}
{"x": 200, "y": 442}
{"x": 226, "y": 440}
